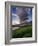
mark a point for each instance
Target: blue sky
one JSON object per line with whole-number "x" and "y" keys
{"x": 28, "y": 10}
{"x": 13, "y": 10}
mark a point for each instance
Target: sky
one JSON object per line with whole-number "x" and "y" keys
{"x": 15, "y": 11}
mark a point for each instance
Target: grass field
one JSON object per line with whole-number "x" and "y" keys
{"x": 25, "y": 31}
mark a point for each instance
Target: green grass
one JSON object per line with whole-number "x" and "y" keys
{"x": 22, "y": 32}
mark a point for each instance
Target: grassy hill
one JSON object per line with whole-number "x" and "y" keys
{"x": 24, "y": 31}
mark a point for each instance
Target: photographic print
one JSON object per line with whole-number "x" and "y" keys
{"x": 21, "y": 21}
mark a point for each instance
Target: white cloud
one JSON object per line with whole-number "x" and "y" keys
{"x": 16, "y": 21}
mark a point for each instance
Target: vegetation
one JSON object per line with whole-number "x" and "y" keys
{"x": 25, "y": 31}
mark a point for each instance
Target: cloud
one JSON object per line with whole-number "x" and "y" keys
{"x": 15, "y": 20}
{"x": 23, "y": 13}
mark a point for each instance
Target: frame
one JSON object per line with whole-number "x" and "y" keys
{"x": 8, "y": 23}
